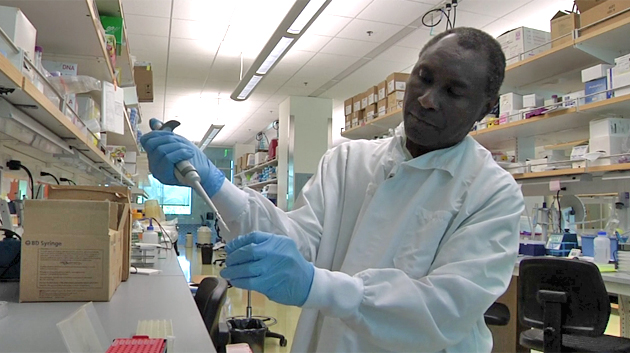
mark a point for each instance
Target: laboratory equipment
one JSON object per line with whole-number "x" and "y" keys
{"x": 541, "y": 217}
{"x": 150, "y": 236}
{"x": 573, "y": 212}
{"x": 204, "y": 236}
{"x": 601, "y": 248}
{"x": 185, "y": 171}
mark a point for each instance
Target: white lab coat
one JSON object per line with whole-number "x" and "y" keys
{"x": 409, "y": 253}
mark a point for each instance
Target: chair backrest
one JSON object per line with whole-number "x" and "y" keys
{"x": 210, "y": 298}
{"x": 587, "y": 306}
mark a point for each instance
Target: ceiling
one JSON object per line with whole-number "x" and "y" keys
{"x": 196, "y": 53}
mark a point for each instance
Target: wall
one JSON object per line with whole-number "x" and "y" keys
{"x": 240, "y": 149}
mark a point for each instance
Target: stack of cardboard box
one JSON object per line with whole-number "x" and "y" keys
{"x": 378, "y": 100}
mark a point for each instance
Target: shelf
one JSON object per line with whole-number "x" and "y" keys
{"x": 555, "y": 121}
{"x": 376, "y": 127}
{"x": 123, "y": 61}
{"x": 574, "y": 171}
{"x": 77, "y": 40}
{"x": 31, "y": 101}
{"x": 128, "y": 139}
{"x": 261, "y": 184}
{"x": 545, "y": 69}
{"x": 257, "y": 168}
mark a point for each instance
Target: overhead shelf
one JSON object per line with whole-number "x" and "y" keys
{"x": 376, "y": 127}
{"x": 123, "y": 61}
{"x": 574, "y": 171}
{"x": 79, "y": 41}
{"x": 31, "y": 101}
{"x": 554, "y": 121}
{"x": 261, "y": 184}
{"x": 257, "y": 168}
{"x": 553, "y": 66}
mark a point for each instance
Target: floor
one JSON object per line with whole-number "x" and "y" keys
{"x": 236, "y": 304}
{"x": 286, "y": 316}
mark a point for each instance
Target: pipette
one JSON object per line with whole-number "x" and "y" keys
{"x": 185, "y": 172}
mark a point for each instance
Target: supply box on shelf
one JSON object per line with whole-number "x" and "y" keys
{"x": 523, "y": 42}
{"x": 607, "y": 136}
{"x": 396, "y": 81}
{"x": 382, "y": 90}
{"x": 395, "y": 101}
{"x": 347, "y": 106}
{"x": 19, "y": 29}
{"x": 144, "y": 82}
{"x": 73, "y": 251}
{"x": 620, "y": 76}
{"x": 601, "y": 10}
{"x": 119, "y": 194}
{"x": 563, "y": 23}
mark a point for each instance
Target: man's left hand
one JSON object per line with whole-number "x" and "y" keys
{"x": 270, "y": 264}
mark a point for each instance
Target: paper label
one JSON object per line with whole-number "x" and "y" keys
{"x": 69, "y": 269}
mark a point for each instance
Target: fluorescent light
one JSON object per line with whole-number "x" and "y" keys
{"x": 212, "y": 132}
{"x": 305, "y": 16}
{"x": 249, "y": 87}
{"x": 275, "y": 54}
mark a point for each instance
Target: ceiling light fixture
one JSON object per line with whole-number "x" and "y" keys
{"x": 301, "y": 15}
{"x": 212, "y": 132}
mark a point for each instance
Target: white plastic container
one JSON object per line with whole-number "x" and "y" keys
{"x": 204, "y": 235}
{"x": 189, "y": 240}
{"x": 150, "y": 236}
{"x": 602, "y": 248}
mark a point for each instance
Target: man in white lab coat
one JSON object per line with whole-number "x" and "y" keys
{"x": 398, "y": 244}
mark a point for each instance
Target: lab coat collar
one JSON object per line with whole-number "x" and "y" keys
{"x": 447, "y": 159}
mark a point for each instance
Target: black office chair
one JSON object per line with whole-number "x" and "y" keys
{"x": 497, "y": 315}
{"x": 210, "y": 297}
{"x": 566, "y": 303}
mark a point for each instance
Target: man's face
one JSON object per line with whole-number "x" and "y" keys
{"x": 446, "y": 94}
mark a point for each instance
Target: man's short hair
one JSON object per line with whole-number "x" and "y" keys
{"x": 482, "y": 42}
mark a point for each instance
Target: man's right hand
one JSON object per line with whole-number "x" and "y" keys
{"x": 165, "y": 149}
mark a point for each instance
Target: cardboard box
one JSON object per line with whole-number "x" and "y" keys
{"x": 357, "y": 117}
{"x": 347, "y": 106}
{"x": 595, "y": 86}
{"x": 510, "y": 101}
{"x": 119, "y": 194}
{"x": 251, "y": 160}
{"x": 396, "y": 82}
{"x": 585, "y": 5}
{"x": 608, "y": 127}
{"x": 144, "y": 83}
{"x": 372, "y": 95}
{"x": 522, "y": 42}
{"x": 364, "y": 100}
{"x": 382, "y": 90}
{"x": 348, "y": 125}
{"x": 533, "y": 101}
{"x": 573, "y": 99}
{"x": 620, "y": 76}
{"x": 371, "y": 112}
{"x": 562, "y": 25}
{"x": 260, "y": 157}
{"x": 356, "y": 102}
{"x": 19, "y": 29}
{"x": 596, "y": 72}
{"x": 395, "y": 101}
{"x": 603, "y": 10}
{"x": 72, "y": 250}
{"x": 381, "y": 107}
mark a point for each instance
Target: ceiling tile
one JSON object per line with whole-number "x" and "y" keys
{"x": 469, "y": 19}
{"x": 399, "y": 12}
{"x": 346, "y": 8}
{"x": 200, "y": 10}
{"x": 190, "y": 66}
{"x": 358, "y": 29}
{"x": 185, "y": 47}
{"x": 147, "y": 43}
{"x": 417, "y": 39}
{"x": 332, "y": 61}
{"x": 537, "y": 14}
{"x": 348, "y": 47}
{"x": 311, "y": 42}
{"x": 369, "y": 75}
{"x": 328, "y": 25}
{"x": 404, "y": 55}
{"x": 155, "y": 8}
{"x": 494, "y": 8}
{"x": 150, "y": 26}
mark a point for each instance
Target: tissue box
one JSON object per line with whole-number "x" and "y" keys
{"x": 573, "y": 99}
{"x": 537, "y": 165}
{"x": 510, "y": 102}
{"x": 533, "y": 101}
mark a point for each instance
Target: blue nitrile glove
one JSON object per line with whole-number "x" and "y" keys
{"x": 165, "y": 149}
{"x": 270, "y": 264}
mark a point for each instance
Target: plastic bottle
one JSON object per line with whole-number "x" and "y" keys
{"x": 602, "y": 248}
{"x": 150, "y": 236}
{"x": 37, "y": 79}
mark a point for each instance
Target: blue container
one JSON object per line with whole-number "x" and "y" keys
{"x": 588, "y": 247}
{"x": 532, "y": 249}
{"x": 563, "y": 250}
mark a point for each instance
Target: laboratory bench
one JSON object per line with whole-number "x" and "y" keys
{"x": 31, "y": 327}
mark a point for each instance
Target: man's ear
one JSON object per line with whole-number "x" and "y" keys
{"x": 492, "y": 102}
